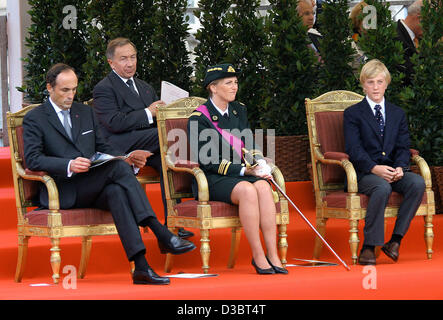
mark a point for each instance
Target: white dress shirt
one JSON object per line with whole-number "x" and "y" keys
{"x": 148, "y": 113}
{"x": 372, "y": 104}
{"x": 410, "y": 32}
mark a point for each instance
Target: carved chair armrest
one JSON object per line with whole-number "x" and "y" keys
{"x": 341, "y": 159}
{"x": 194, "y": 169}
{"x": 423, "y": 166}
{"x": 339, "y": 156}
{"x": 277, "y": 175}
{"x": 47, "y": 180}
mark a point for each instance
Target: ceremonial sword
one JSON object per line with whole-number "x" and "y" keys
{"x": 252, "y": 162}
{"x": 309, "y": 223}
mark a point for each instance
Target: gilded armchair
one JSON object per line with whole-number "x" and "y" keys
{"x": 178, "y": 172}
{"x": 331, "y": 166}
{"x": 52, "y": 223}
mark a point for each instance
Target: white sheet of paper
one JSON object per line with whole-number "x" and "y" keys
{"x": 169, "y": 92}
{"x": 192, "y": 275}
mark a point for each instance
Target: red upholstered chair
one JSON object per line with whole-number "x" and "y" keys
{"x": 331, "y": 166}
{"x": 52, "y": 223}
{"x": 179, "y": 171}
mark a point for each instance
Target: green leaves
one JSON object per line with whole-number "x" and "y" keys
{"x": 335, "y": 48}
{"x": 291, "y": 70}
{"x": 423, "y": 101}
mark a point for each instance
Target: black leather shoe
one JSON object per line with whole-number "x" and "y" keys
{"x": 366, "y": 257}
{"x": 277, "y": 269}
{"x": 176, "y": 245}
{"x": 391, "y": 250}
{"x": 262, "y": 271}
{"x": 184, "y": 234}
{"x": 148, "y": 277}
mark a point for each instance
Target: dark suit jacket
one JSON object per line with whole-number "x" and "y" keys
{"x": 364, "y": 144}
{"x": 48, "y": 147}
{"x": 121, "y": 113}
{"x": 408, "y": 51}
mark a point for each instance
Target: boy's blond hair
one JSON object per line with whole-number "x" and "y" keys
{"x": 372, "y": 69}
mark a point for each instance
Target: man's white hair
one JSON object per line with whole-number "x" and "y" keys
{"x": 415, "y": 7}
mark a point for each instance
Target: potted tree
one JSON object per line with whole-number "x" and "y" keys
{"x": 291, "y": 73}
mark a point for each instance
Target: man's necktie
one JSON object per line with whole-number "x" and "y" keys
{"x": 226, "y": 116}
{"x": 379, "y": 118}
{"x": 130, "y": 84}
{"x": 66, "y": 123}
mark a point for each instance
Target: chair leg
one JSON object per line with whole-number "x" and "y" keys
{"x": 205, "y": 249}
{"x": 235, "y": 245}
{"x": 55, "y": 259}
{"x": 169, "y": 262}
{"x": 429, "y": 235}
{"x": 318, "y": 244}
{"x": 282, "y": 243}
{"x": 21, "y": 258}
{"x": 353, "y": 239}
{"x": 86, "y": 253}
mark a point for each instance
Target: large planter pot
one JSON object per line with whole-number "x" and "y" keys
{"x": 291, "y": 156}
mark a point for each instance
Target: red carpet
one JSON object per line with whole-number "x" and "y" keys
{"x": 108, "y": 278}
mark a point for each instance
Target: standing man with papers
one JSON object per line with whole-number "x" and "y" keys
{"x": 126, "y": 107}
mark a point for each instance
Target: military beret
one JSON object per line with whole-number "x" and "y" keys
{"x": 219, "y": 72}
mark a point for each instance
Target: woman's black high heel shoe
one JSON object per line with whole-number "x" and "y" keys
{"x": 262, "y": 271}
{"x": 277, "y": 269}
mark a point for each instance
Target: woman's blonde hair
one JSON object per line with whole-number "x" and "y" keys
{"x": 356, "y": 18}
{"x": 372, "y": 69}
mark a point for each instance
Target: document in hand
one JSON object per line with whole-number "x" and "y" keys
{"x": 99, "y": 158}
{"x": 169, "y": 92}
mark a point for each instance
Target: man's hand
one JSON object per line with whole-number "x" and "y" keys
{"x": 79, "y": 165}
{"x": 138, "y": 158}
{"x": 388, "y": 173}
{"x": 154, "y": 106}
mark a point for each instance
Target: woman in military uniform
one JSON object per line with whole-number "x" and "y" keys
{"x": 223, "y": 130}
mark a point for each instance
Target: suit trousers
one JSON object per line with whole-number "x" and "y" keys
{"x": 411, "y": 186}
{"x": 114, "y": 187}
{"x": 147, "y": 139}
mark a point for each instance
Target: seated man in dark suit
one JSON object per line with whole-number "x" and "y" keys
{"x": 126, "y": 108}
{"x": 409, "y": 32}
{"x": 377, "y": 141}
{"x": 60, "y": 136}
